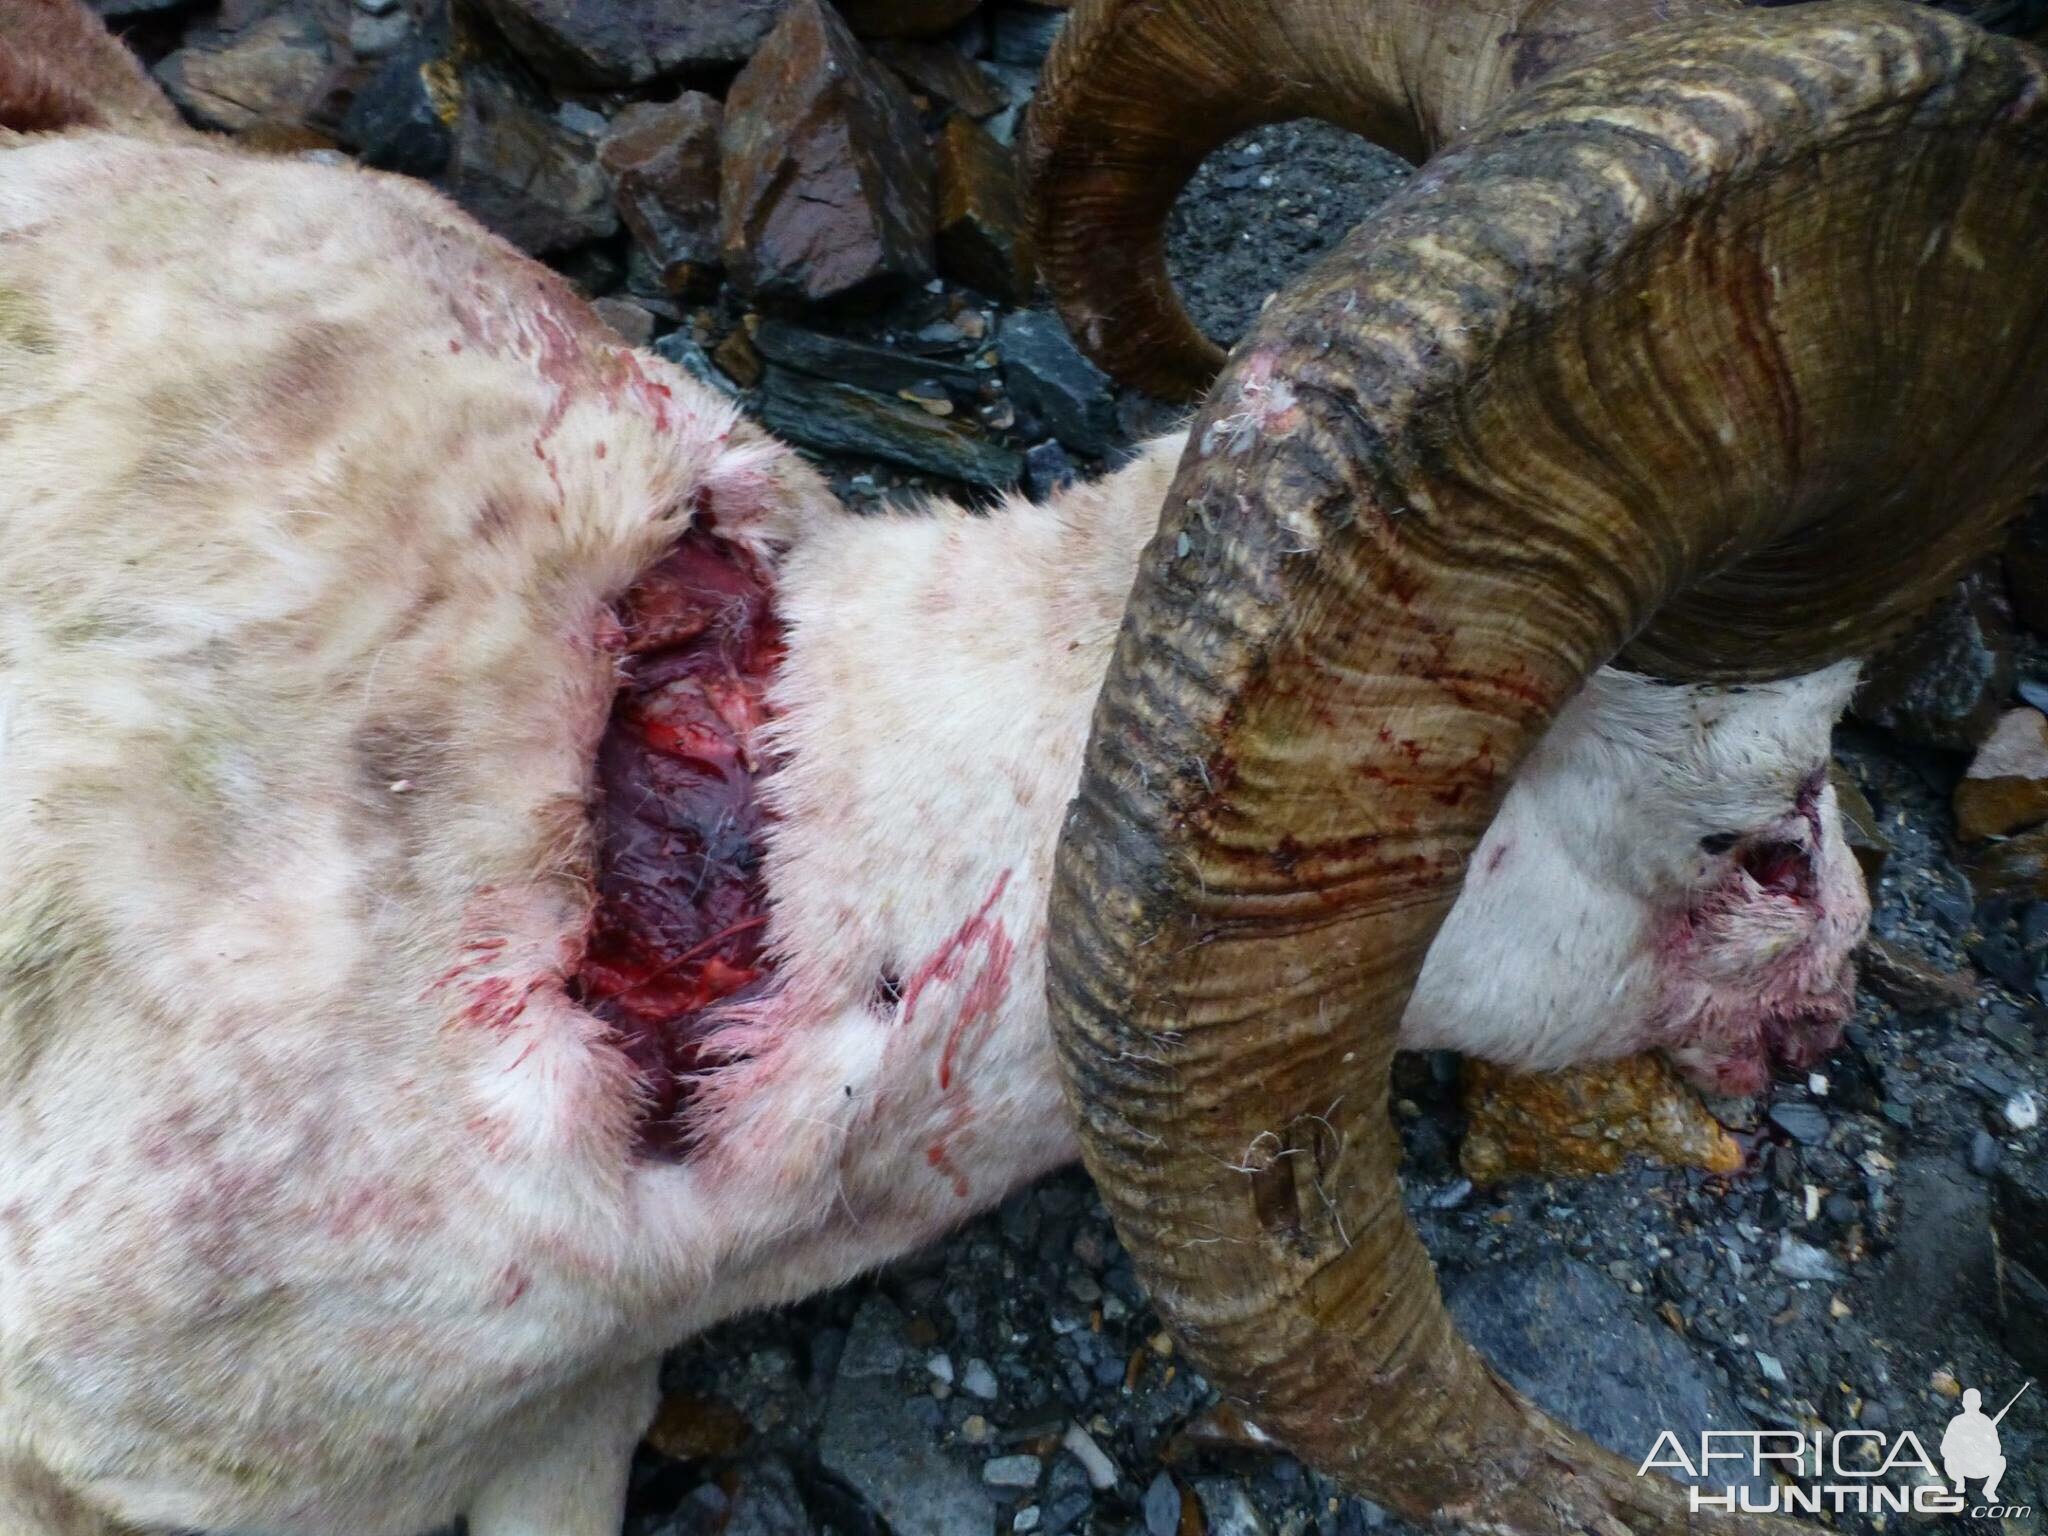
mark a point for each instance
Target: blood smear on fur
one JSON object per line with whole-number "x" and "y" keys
{"x": 682, "y": 911}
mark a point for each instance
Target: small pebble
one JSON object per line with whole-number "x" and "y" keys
{"x": 1985, "y": 1154}
{"x": 977, "y": 1380}
{"x": 2022, "y": 1112}
{"x": 1803, "y": 1261}
{"x": 1162, "y": 1507}
{"x": 1772, "y": 1367}
{"x": 1100, "y": 1469}
{"x": 1027, "y": 1519}
{"x": 1011, "y": 1471}
{"x": 941, "y": 1367}
{"x": 1806, "y": 1124}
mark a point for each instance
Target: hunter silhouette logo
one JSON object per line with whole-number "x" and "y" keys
{"x": 1970, "y": 1448}
{"x": 1786, "y": 1471}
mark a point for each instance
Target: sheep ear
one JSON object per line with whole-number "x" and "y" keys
{"x": 1732, "y": 342}
{"x": 61, "y": 68}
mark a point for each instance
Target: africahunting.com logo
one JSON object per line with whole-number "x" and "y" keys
{"x": 1863, "y": 1470}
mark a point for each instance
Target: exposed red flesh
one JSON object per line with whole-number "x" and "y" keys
{"x": 682, "y": 911}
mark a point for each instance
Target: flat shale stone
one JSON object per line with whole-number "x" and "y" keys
{"x": 404, "y": 117}
{"x": 2019, "y": 1224}
{"x": 831, "y": 417}
{"x": 879, "y": 368}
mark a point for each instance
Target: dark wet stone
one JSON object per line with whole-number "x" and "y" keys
{"x": 905, "y": 18}
{"x": 2000, "y": 957}
{"x": 1023, "y": 34}
{"x": 523, "y": 173}
{"x": 831, "y": 417}
{"x": 883, "y": 369}
{"x": 982, "y": 236}
{"x": 662, "y": 158}
{"x": 1048, "y": 377}
{"x": 2019, "y": 1218}
{"x": 125, "y": 10}
{"x": 1563, "y": 1333}
{"x": 944, "y": 73}
{"x": 1804, "y": 1123}
{"x": 1985, "y": 1154}
{"x": 1944, "y": 684}
{"x": 403, "y": 118}
{"x": 1162, "y": 1506}
{"x": 682, "y": 349}
{"x": 608, "y": 43}
{"x": 1943, "y": 1262}
{"x": 827, "y": 183}
{"x": 1047, "y": 470}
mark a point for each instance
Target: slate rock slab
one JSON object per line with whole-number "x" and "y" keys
{"x": 1589, "y": 1354}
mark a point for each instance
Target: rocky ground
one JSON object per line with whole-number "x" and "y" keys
{"x": 816, "y": 209}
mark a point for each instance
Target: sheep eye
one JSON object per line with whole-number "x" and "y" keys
{"x": 1717, "y": 842}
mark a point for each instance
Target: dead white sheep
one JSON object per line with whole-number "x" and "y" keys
{"x": 374, "y": 1109}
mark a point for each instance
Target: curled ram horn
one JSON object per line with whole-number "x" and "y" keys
{"x": 1632, "y": 364}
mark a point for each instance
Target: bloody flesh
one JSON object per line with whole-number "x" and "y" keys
{"x": 681, "y": 913}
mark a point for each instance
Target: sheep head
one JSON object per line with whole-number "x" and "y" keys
{"x": 1667, "y": 871}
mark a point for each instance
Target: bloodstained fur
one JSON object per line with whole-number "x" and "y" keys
{"x": 682, "y": 913}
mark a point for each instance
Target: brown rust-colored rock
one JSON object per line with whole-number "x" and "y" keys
{"x": 692, "y": 1428}
{"x": 738, "y": 358}
{"x": 1587, "y": 1120}
{"x": 943, "y": 73}
{"x": 826, "y": 181}
{"x": 662, "y": 158}
{"x": 611, "y": 43}
{"x": 2015, "y": 867}
{"x": 2006, "y": 787}
{"x": 1860, "y": 827}
{"x": 1909, "y": 981}
{"x": 982, "y": 240}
